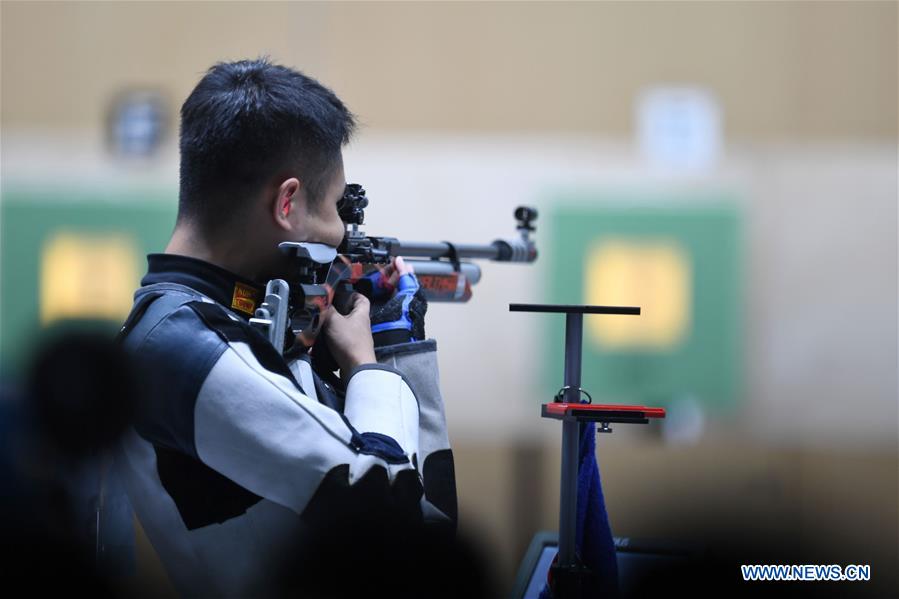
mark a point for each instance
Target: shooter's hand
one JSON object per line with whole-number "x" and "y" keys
{"x": 400, "y": 318}
{"x": 349, "y": 337}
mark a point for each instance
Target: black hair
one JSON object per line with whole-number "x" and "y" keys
{"x": 244, "y": 123}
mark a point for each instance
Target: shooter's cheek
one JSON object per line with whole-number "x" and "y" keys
{"x": 336, "y": 238}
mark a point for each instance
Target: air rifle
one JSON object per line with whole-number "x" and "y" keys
{"x": 323, "y": 275}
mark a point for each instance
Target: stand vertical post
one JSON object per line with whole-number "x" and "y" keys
{"x": 570, "y": 437}
{"x": 571, "y": 579}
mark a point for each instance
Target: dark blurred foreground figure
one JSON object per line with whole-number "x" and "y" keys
{"x": 382, "y": 553}
{"x": 238, "y": 449}
{"x": 82, "y": 391}
{"x": 78, "y": 398}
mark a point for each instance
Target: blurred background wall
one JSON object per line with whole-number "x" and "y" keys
{"x": 730, "y": 167}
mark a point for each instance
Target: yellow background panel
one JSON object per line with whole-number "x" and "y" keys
{"x": 653, "y": 274}
{"x": 87, "y": 276}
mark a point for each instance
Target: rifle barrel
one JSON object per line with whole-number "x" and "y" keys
{"x": 500, "y": 250}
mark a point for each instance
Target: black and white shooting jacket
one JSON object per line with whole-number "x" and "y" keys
{"x": 236, "y": 448}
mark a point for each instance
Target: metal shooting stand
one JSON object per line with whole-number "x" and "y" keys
{"x": 568, "y": 575}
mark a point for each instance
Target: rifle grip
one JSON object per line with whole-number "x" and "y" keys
{"x": 343, "y": 294}
{"x": 343, "y": 297}
{"x": 343, "y": 303}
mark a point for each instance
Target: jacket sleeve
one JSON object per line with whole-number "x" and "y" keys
{"x": 417, "y": 361}
{"x": 258, "y": 429}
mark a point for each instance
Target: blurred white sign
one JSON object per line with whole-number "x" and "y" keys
{"x": 136, "y": 123}
{"x": 679, "y": 127}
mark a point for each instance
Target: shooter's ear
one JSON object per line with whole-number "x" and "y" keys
{"x": 287, "y": 202}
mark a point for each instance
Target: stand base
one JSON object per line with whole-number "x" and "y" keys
{"x": 571, "y": 582}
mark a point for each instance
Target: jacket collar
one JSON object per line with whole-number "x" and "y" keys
{"x": 220, "y": 285}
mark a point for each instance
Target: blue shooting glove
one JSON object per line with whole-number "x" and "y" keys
{"x": 400, "y": 318}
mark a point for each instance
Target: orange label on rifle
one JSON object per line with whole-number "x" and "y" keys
{"x": 439, "y": 283}
{"x": 245, "y": 298}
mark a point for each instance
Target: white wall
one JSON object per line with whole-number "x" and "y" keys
{"x": 820, "y": 340}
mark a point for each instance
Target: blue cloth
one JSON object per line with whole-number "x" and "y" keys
{"x": 593, "y": 538}
{"x": 594, "y": 535}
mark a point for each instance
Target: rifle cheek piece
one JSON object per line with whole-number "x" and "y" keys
{"x": 299, "y": 303}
